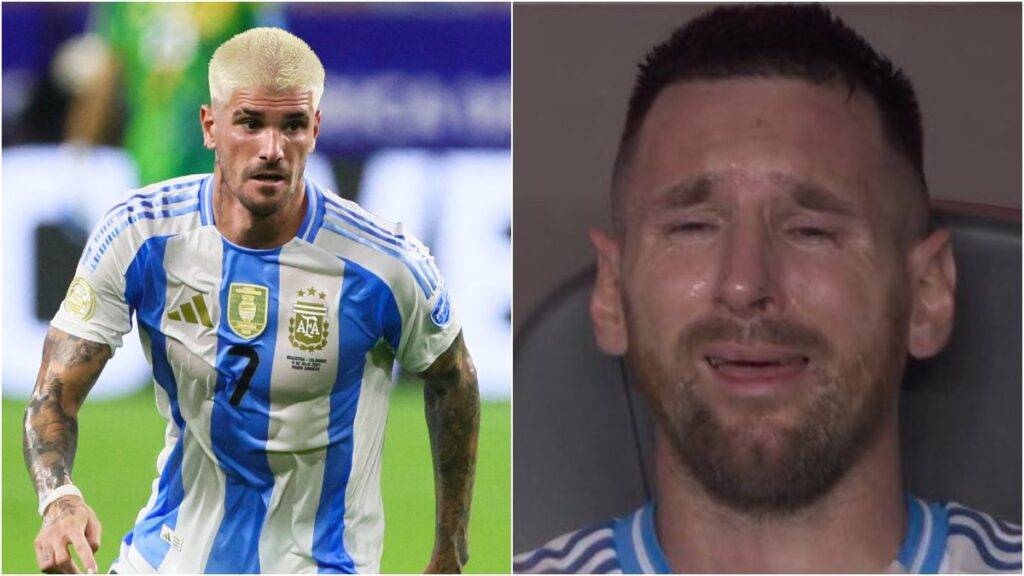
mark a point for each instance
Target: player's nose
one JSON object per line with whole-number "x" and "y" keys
{"x": 747, "y": 282}
{"x": 271, "y": 146}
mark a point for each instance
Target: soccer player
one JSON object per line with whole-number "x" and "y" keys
{"x": 272, "y": 311}
{"x": 770, "y": 268}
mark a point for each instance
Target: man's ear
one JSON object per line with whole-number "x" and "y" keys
{"x": 933, "y": 274}
{"x": 316, "y": 130}
{"x": 206, "y": 121}
{"x": 606, "y": 300}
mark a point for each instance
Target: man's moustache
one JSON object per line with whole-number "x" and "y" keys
{"x": 763, "y": 331}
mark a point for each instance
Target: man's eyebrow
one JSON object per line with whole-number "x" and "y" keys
{"x": 247, "y": 112}
{"x": 818, "y": 199}
{"x": 259, "y": 114}
{"x": 689, "y": 192}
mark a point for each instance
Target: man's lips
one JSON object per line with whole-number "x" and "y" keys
{"x": 754, "y": 365}
{"x": 269, "y": 177}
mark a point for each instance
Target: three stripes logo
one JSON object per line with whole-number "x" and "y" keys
{"x": 193, "y": 312}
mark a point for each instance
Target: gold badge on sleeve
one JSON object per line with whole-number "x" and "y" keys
{"x": 80, "y": 300}
{"x": 247, "y": 309}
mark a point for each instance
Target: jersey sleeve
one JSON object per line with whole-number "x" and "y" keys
{"x": 429, "y": 320}
{"x": 95, "y": 307}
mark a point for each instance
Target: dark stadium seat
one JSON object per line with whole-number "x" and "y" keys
{"x": 582, "y": 450}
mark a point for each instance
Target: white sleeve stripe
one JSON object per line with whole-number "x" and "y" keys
{"x": 636, "y": 531}
{"x": 602, "y": 556}
{"x": 585, "y": 549}
{"x": 1000, "y": 530}
{"x": 1000, "y": 550}
{"x": 335, "y": 227}
{"x": 926, "y": 535}
{"x": 561, "y": 548}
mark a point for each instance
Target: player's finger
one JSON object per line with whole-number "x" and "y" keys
{"x": 85, "y": 553}
{"x": 93, "y": 533}
{"x": 63, "y": 562}
{"x": 44, "y": 557}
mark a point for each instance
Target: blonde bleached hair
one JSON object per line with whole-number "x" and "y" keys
{"x": 266, "y": 58}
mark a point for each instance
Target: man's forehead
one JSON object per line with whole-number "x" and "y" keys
{"x": 773, "y": 131}
{"x": 292, "y": 100}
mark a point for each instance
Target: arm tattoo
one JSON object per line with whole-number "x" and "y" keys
{"x": 64, "y": 510}
{"x": 453, "y": 420}
{"x": 70, "y": 367}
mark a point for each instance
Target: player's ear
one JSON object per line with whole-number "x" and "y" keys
{"x": 606, "y": 300}
{"x": 316, "y": 129}
{"x": 933, "y": 273}
{"x": 206, "y": 120}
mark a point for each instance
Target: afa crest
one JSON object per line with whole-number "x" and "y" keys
{"x": 308, "y": 326}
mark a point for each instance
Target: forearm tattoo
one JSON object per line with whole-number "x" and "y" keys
{"x": 453, "y": 420}
{"x": 70, "y": 367}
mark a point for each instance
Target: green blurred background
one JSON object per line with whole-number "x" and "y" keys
{"x": 119, "y": 441}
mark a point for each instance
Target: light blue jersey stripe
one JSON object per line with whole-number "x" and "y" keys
{"x": 206, "y": 201}
{"x": 117, "y": 209}
{"x": 145, "y": 290}
{"x": 311, "y": 207}
{"x": 368, "y": 313}
{"x": 936, "y": 545}
{"x": 353, "y": 218}
{"x": 131, "y": 204}
{"x": 239, "y": 432}
{"x": 330, "y": 224}
{"x": 624, "y": 549}
{"x": 912, "y": 540}
{"x": 92, "y": 255}
{"x": 318, "y": 215}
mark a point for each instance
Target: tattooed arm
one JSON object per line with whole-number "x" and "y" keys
{"x": 453, "y": 420}
{"x": 70, "y": 367}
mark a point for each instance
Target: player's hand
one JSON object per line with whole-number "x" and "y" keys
{"x": 68, "y": 522}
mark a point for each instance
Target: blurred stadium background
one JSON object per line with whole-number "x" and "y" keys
{"x": 101, "y": 98}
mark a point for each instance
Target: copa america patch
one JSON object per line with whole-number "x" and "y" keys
{"x": 80, "y": 300}
{"x": 442, "y": 313}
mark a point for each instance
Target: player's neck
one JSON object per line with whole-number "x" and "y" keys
{"x": 243, "y": 228}
{"x": 857, "y": 527}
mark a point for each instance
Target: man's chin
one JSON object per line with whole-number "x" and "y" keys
{"x": 760, "y": 464}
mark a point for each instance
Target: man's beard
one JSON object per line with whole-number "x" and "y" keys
{"x": 256, "y": 209}
{"x": 756, "y": 465}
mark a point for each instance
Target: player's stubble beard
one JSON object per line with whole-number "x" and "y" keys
{"x": 758, "y": 467}
{"x": 258, "y": 210}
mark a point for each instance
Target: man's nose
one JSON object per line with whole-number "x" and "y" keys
{"x": 747, "y": 283}
{"x": 271, "y": 146}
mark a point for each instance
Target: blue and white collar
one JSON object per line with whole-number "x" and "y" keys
{"x": 924, "y": 545}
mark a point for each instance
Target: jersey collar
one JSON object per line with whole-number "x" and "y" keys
{"x": 310, "y": 222}
{"x": 924, "y": 545}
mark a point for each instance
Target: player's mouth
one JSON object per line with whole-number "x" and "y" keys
{"x": 754, "y": 369}
{"x": 268, "y": 177}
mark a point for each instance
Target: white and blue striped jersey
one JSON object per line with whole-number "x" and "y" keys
{"x": 940, "y": 538}
{"x": 272, "y": 369}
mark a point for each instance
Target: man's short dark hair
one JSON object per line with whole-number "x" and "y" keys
{"x": 804, "y": 42}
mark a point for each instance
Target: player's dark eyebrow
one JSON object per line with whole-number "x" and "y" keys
{"x": 818, "y": 199}
{"x": 251, "y": 113}
{"x": 689, "y": 192}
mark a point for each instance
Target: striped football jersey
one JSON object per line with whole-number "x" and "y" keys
{"x": 272, "y": 370}
{"x": 940, "y": 538}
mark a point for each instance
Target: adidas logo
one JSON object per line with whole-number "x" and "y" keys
{"x": 193, "y": 315}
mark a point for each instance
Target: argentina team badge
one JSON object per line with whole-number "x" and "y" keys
{"x": 308, "y": 326}
{"x": 247, "y": 309}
